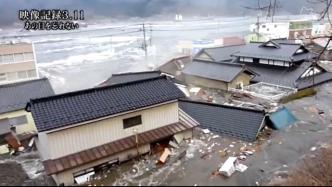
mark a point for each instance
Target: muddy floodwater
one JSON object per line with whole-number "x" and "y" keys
{"x": 275, "y": 152}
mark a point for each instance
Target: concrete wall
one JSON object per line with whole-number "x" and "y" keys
{"x": 67, "y": 177}
{"x": 15, "y": 48}
{"x": 204, "y": 82}
{"x": 24, "y": 128}
{"x": 16, "y": 67}
{"x": 61, "y": 143}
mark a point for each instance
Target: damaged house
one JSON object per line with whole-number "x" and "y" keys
{"x": 14, "y": 97}
{"x": 237, "y": 122}
{"x": 79, "y": 132}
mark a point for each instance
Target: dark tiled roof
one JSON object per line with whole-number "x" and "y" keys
{"x": 16, "y": 95}
{"x": 231, "y": 121}
{"x": 285, "y": 76}
{"x": 217, "y": 71}
{"x": 131, "y": 76}
{"x": 75, "y": 107}
{"x": 284, "y": 52}
{"x": 221, "y": 53}
{"x": 102, "y": 151}
{"x": 284, "y": 41}
{"x": 174, "y": 65}
{"x": 137, "y": 76}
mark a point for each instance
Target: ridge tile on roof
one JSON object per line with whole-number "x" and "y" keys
{"x": 75, "y": 107}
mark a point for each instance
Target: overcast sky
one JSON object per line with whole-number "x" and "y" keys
{"x": 122, "y": 9}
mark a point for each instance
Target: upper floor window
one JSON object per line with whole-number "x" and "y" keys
{"x": 16, "y": 58}
{"x": 28, "y": 56}
{"x": 22, "y": 74}
{"x": 131, "y": 122}
{"x": 8, "y": 58}
{"x": 3, "y": 77}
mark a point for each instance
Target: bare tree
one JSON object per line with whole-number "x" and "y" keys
{"x": 324, "y": 13}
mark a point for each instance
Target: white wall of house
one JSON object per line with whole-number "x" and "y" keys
{"x": 64, "y": 142}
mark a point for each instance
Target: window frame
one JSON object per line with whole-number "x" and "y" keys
{"x": 132, "y": 121}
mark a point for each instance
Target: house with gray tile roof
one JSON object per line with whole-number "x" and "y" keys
{"x": 79, "y": 131}
{"x": 237, "y": 122}
{"x": 280, "y": 62}
{"x": 130, "y": 76}
{"x": 218, "y": 54}
{"x": 273, "y": 53}
{"x": 219, "y": 75}
{"x": 14, "y": 97}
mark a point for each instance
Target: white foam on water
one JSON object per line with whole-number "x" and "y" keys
{"x": 80, "y": 59}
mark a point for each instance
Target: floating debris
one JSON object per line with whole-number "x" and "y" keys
{"x": 313, "y": 149}
{"x": 206, "y": 131}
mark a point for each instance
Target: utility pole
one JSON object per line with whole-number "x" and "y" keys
{"x": 274, "y": 9}
{"x": 258, "y": 28}
{"x": 150, "y": 35}
{"x": 144, "y": 43}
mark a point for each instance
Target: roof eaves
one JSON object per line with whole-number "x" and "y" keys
{"x": 224, "y": 106}
{"x": 23, "y": 82}
{"x": 135, "y": 73}
{"x": 94, "y": 89}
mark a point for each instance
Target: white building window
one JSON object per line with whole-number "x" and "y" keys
{"x": 278, "y": 63}
{"x": 18, "y": 57}
{"x": 12, "y": 76}
{"x": 3, "y": 77}
{"x": 248, "y": 60}
{"x": 32, "y": 73}
{"x": 287, "y": 64}
{"x": 22, "y": 74}
{"x": 264, "y": 61}
{"x": 8, "y": 58}
{"x": 28, "y": 56}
